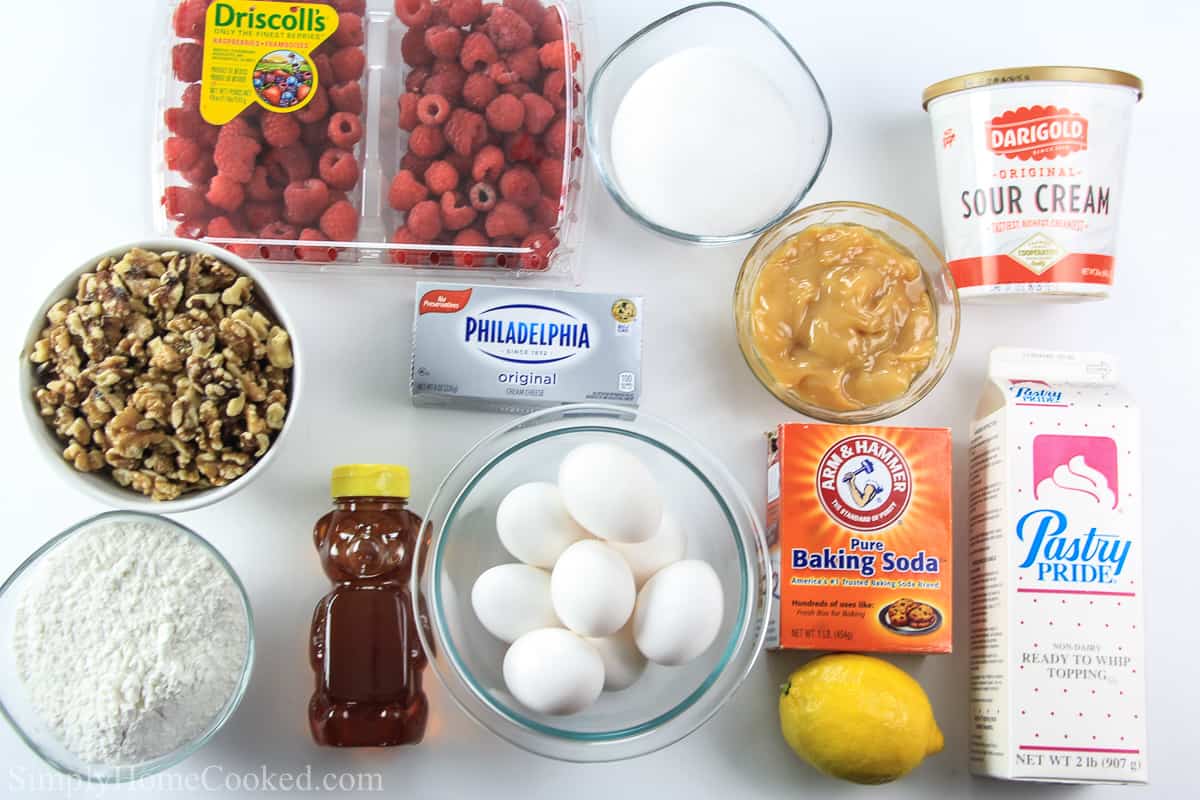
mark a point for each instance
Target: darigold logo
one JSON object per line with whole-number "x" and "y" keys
{"x": 526, "y": 333}
{"x": 864, "y": 483}
{"x": 1037, "y": 133}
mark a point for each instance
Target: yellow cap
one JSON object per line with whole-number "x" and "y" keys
{"x": 370, "y": 480}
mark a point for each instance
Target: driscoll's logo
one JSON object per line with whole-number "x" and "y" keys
{"x": 274, "y": 17}
{"x": 1037, "y": 133}
{"x": 526, "y": 333}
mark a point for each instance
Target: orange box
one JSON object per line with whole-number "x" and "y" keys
{"x": 859, "y": 527}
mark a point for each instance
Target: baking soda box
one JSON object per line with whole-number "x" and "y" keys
{"x": 1058, "y": 687}
{"x": 858, "y": 523}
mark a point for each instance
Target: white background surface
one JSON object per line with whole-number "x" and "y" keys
{"x": 73, "y": 181}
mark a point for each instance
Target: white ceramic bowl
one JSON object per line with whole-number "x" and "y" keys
{"x": 100, "y": 485}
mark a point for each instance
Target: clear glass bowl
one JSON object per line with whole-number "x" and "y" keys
{"x": 459, "y": 542}
{"x": 729, "y": 26}
{"x": 937, "y": 278}
{"x": 17, "y": 706}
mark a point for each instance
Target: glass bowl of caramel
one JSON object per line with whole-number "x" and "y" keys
{"x": 846, "y": 312}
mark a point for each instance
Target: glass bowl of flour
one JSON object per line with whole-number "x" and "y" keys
{"x": 707, "y": 126}
{"x": 127, "y": 644}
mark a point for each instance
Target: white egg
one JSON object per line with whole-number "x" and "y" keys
{"x": 592, "y": 589}
{"x": 678, "y": 613}
{"x": 553, "y": 671}
{"x": 513, "y": 599}
{"x": 610, "y": 492}
{"x": 666, "y": 547}
{"x": 534, "y": 524}
{"x": 623, "y": 662}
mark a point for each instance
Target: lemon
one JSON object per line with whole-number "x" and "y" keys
{"x": 858, "y": 718}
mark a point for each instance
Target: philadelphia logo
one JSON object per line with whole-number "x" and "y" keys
{"x": 525, "y": 333}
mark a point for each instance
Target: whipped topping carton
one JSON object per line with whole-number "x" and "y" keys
{"x": 1058, "y": 687}
{"x": 500, "y": 348}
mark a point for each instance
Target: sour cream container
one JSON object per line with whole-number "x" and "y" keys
{"x": 1030, "y": 162}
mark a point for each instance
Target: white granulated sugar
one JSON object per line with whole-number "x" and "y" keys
{"x": 705, "y": 143}
{"x": 130, "y": 639}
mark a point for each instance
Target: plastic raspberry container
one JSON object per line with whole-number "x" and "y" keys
{"x": 376, "y": 246}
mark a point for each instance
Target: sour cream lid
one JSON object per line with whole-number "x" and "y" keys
{"x": 991, "y": 77}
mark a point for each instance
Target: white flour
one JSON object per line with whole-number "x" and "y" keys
{"x": 130, "y": 639}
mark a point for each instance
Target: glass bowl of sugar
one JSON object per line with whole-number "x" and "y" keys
{"x": 707, "y": 126}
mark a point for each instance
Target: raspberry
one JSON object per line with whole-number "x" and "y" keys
{"x": 345, "y": 129}
{"x": 521, "y": 187}
{"x": 489, "y": 164}
{"x": 525, "y": 64}
{"x": 225, "y": 193}
{"x": 314, "y": 253}
{"x": 222, "y": 228}
{"x": 551, "y": 27}
{"x": 551, "y": 56}
{"x": 447, "y": 80}
{"x": 463, "y": 12}
{"x": 539, "y": 112}
{"x": 303, "y": 201}
{"x": 483, "y": 196}
{"x": 242, "y": 126}
{"x": 321, "y": 65}
{"x": 259, "y": 215}
{"x": 441, "y": 177}
{"x": 185, "y": 122}
{"x": 187, "y": 60}
{"x": 413, "y": 49}
{"x": 550, "y": 176}
{"x": 426, "y": 141}
{"x": 234, "y": 156}
{"x": 349, "y": 30}
{"x": 444, "y": 41}
{"x": 414, "y": 81}
{"x": 531, "y": 11}
{"x": 509, "y": 30}
{"x": 184, "y": 202}
{"x": 280, "y": 130}
{"x": 479, "y": 90}
{"x": 456, "y": 211}
{"x": 340, "y": 222}
{"x": 277, "y": 229}
{"x": 260, "y": 187}
{"x": 477, "y": 50}
{"x": 315, "y": 134}
{"x": 188, "y": 20}
{"x": 190, "y": 229}
{"x": 470, "y": 237}
{"x": 180, "y": 153}
{"x": 404, "y": 236}
{"x": 501, "y": 74}
{"x": 425, "y": 220}
{"x": 520, "y": 147}
{"x": 406, "y": 191}
{"x": 462, "y": 164}
{"x": 348, "y": 64}
{"x": 347, "y": 97}
{"x": 556, "y": 137}
{"x": 190, "y": 97}
{"x": 554, "y": 89}
{"x": 465, "y": 131}
{"x": 351, "y": 6}
{"x": 317, "y": 108}
{"x": 507, "y": 218}
{"x": 543, "y": 245}
{"x": 518, "y": 90}
{"x": 287, "y": 164}
{"x": 545, "y": 214}
{"x": 202, "y": 171}
{"x": 433, "y": 109}
{"x": 506, "y": 114}
{"x": 338, "y": 169}
{"x": 415, "y": 164}
{"x": 414, "y": 13}
{"x": 409, "y": 118}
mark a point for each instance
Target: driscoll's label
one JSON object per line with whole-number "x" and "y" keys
{"x": 1030, "y": 182}
{"x": 261, "y": 52}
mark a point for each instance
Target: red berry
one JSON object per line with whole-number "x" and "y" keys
{"x": 448, "y": 79}
{"x": 315, "y": 135}
{"x": 509, "y": 30}
{"x": 187, "y": 61}
{"x": 190, "y": 97}
{"x": 242, "y": 125}
{"x": 554, "y": 89}
{"x": 180, "y": 153}
{"x": 470, "y": 237}
{"x": 507, "y": 219}
{"x": 489, "y": 164}
{"x": 349, "y": 30}
{"x": 425, "y": 220}
{"x": 303, "y": 201}
{"x": 506, "y": 114}
{"x": 339, "y": 169}
{"x": 525, "y": 63}
{"x": 456, "y": 211}
{"x": 259, "y": 215}
{"x": 414, "y": 81}
{"x": 314, "y": 253}
{"x": 287, "y": 164}
{"x": 441, "y": 177}
{"x": 543, "y": 245}
{"x": 317, "y": 108}
{"x": 550, "y": 176}
{"x": 426, "y": 141}
{"x": 520, "y": 147}
{"x": 260, "y": 186}
{"x": 556, "y": 138}
{"x": 539, "y": 112}
{"x": 201, "y": 172}
{"x": 188, "y": 20}
{"x": 444, "y": 42}
{"x": 340, "y": 222}
{"x": 466, "y": 131}
{"x": 347, "y": 97}
{"x": 351, "y": 6}
{"x": 545, "y": 214}
{"x": 415, "y": 164}
{"x": 184, "y": 202}
{"x": 478, "y": 50}
{"x": 280, "y": 130}
{"x": 413, "y": 49}
{"x": 345, "y": 129}
{"x": 278, "y": 229}
{"x": 479, "y": 90}
{"x": 185, "y": 122}
{"x": 531, "y": 10}
{"x": 406, "y": 191}
{"x": 409, "y": 119}
{"x": 551, "y": 27}
{"x": 500, "y": 72}
{"x": 414, "y": 13}
{"x": 521, "y": 187}
{"x": 225, "y": 193}
{"x": 551, "y": 56}
{"x": 483, "y": 196}
{"x": 348, "y": 64}
{"x": 404, "y": 236}
{"x": 234, "y": 156}
{"x": 463, "y": 12}
{"x": 433, "y": 109}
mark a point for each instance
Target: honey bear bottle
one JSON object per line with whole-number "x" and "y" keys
{"x": 364, "y": 646}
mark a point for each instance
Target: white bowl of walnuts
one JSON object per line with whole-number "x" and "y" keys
{"x": 161, "y": 375}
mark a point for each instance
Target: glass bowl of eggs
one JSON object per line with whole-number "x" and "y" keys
{"x": 592, "y": 583}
